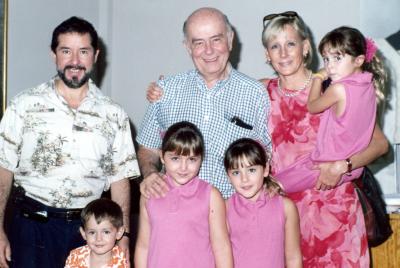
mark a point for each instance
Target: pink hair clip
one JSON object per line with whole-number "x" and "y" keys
{"x": 370, "y": 50}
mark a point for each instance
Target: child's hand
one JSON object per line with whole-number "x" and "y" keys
{"x": 322, "y": 73}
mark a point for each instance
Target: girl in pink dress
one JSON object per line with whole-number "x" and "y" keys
{"x": 186, "y": 227}
{"x": 348, "y": 105}
{"x": 263, "y": 224}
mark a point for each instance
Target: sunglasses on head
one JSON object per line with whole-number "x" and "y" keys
{"x": 288, "y": 14}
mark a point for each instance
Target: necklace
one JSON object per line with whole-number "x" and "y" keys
{"x": 295, "y": 91}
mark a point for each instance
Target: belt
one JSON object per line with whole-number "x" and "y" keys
{"x": 72, "y": 214}
{"x": 44, "y": 216}
{"x": 35, "y": 210}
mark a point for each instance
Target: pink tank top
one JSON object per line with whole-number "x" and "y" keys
{"x": 180, "y": 235}
{"x": 257, "y": 231}
{"x": 341, "y": 137}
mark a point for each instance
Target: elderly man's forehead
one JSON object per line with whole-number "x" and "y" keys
{"x": 203, "y": 16}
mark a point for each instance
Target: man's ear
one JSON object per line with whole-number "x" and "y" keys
{"x": 83, "y": 234}
{"x": 96, "y": 54}
{"x": 186, "y": 43}
{"x": 53, "y": 55}
{"x": 230, "y": 36}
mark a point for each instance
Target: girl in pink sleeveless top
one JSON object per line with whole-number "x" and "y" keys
{"x": 263, "y": 224}
{"x": 348, "y": 106}
{"x": 186, "y": 227}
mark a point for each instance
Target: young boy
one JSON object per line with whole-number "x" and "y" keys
{"x": 102, "y": 226}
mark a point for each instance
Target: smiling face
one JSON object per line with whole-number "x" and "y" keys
{"x": 209, "y": 43}
{"x": 101, "y": 237}
{"x": 248, "y": 179}
{"x": 286, "y": 51}
{"x": 74, "y": 57}
{"x": 181, "y": 168}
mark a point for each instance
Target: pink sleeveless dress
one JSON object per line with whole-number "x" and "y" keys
{"x": 338, "y": 137}
{"x": 257, "y": 231}
{"x": 331, "y": 222}
{"x": 180, "y": 235}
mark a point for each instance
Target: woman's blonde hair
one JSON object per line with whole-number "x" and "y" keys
{"x": 277, "y": 25}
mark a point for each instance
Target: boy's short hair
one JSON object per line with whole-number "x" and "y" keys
{"x": 102, "y": 209}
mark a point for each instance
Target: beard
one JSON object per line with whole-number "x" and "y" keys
{"x": 74, "y": 82}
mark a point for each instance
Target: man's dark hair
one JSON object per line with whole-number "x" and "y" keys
{"x": 75, "y": 25}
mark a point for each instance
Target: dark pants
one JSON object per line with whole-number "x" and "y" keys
{"x": 42, "y": 243}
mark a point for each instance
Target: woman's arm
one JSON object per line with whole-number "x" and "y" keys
{"x": 153, "y": 91}
{"x": 293, "y": 257}
{"x": 142, "y": 242}
{"x": 220, "y": 242}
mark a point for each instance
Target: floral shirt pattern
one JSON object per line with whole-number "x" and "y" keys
{"x": 66, "y": 157}
{"x": 79, "y": 258}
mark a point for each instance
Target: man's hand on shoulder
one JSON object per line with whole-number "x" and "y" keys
{"x": 154, "y": 185}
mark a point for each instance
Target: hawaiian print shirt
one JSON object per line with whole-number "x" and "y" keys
{"x": 66, "y": 157}
{"x": 79, "y": 258}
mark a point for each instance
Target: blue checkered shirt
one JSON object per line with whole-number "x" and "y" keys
{"x": 187, "y": 98}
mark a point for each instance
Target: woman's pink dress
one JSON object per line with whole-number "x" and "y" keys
{"x": 331, "y": 222}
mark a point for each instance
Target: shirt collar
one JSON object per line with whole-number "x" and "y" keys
{"x": 220, "y": 84}
{"x": 92, "y": 91}
{"x": 187, "y": 190}
{"x": 260, "y": 202}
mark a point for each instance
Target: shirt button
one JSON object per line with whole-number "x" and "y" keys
{"x": 206, "y": 117}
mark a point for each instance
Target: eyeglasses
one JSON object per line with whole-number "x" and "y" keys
{"x": 289, "y": 14}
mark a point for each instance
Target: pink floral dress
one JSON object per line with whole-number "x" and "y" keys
{"x": 331, "y": 222}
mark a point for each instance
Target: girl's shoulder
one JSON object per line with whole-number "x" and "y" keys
{"x": 289, "y": 206}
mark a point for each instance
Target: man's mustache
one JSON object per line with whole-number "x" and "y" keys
{"x": 79, "y": 67}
